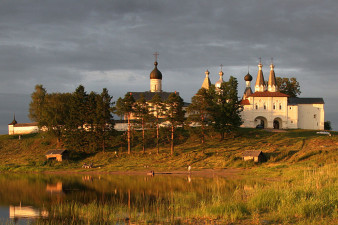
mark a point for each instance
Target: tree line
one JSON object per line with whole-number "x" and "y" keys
{"x": 79, "y": 120}
{"x": 84, "y": 122}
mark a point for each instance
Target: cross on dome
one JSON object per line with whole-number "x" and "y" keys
{"x": 156, "y": 54}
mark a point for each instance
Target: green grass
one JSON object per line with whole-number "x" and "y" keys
{"x": 298, "y": 197}
{"x": 297, "y": 147}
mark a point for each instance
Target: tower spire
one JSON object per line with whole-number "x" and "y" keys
{"x": 220, "y": 81}
{"x": 206, "y": 83}
{"x": 14, "y": 121}
{"x": 260, "y": 83}
{"x": 272, "y": 84}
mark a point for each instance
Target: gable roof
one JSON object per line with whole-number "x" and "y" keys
{"x": 268, "y": 94}
{"x": 56, "y": 152}
{"x": 296, "y": 101}
{"x": 26, "y": 124}
{"x": 253, "y": 153}
{"x": 149, "y": 95}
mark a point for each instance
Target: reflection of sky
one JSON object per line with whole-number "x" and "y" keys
{"x": 4, "y": 214}
{"x": 4, "y": 217}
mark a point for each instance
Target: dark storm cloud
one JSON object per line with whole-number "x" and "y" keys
{"x": 62, "y": 44}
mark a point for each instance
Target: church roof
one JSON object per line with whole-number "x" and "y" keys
{"x": 218, "y": 84}
{"x": 245, "y": 102}
{"x": 206, "y": 83}
{"x": 248, "y": 91}
{"x": 260, "y": 78}
{"x": 156, "y": 74}
{"x": 25, "y": 124}
{"x": 296, "y": 101}
{"x": 13, "y": 122}
{"x": 149, "y": 95}
{"x": 272, "y": 77}
{"x": 248, "y": 77}
{"x": 268, "y": 94}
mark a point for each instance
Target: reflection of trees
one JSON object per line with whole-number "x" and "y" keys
{"x": 161, "y": 196}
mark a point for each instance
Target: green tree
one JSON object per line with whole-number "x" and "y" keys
{"x": 104, "y": 121}
{"x": 174, "y": 115}
{"x": 199, "y": 110}
{"x": 225, "y": 108}
{"x": 55, "y": 113}
{"x": 158, "y": 110}
{"x": 327, "y": 125}
{"x": 125, "y": 108}
{"x": 289, "y": 86}
{"x": 37, "y": 103}
{"x": 142, "y": 115}
{"x": 76, "y": 135}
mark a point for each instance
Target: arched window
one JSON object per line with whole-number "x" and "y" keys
{"x": 264, "y": 106}
{"x": 280, "y": 106}
{"x": 256, "y": 106}
{"x": 274, "y": 106}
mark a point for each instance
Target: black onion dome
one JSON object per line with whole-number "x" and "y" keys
{"x": 156, "y": 74}
{"x": 248, "y": 77}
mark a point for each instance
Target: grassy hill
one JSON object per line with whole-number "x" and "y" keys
{"x": 297, "y": 184}
{"x": 282, "y": 149}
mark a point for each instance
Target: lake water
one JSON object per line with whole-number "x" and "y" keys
{"x": 117, "y": 199}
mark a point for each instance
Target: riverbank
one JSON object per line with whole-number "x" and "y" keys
{"x": 296, "y": 185}
{"x": 296, "y": 149}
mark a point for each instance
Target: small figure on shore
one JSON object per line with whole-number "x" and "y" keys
{"x": 189, "y": 168}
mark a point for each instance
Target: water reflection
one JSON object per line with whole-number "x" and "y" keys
{"x": 17, "y": 212}
{"x": 119, "y": 198}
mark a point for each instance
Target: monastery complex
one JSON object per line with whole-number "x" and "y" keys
{"x": 266, "y": 107}
{"x": 269, "y": 108}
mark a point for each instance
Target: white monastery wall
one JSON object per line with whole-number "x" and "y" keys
{"x": 22, "y": 130}
{"x": 292, "y": 117}
{"x": 311, "y": 116}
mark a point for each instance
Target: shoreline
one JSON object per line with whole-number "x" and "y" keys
{"x": 230, "y": 172}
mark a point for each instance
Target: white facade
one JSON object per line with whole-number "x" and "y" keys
{"x": 24, "y": 128}
{"x": 276, "y": 112}
{"x": 268, "y": 108}
{"x": 265, "y": 110}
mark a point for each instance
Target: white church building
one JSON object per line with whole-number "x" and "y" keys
{"x": 269, "y": 108}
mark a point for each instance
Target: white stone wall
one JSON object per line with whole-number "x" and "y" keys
{"x": 155, "y": 85}
{"x": 22, "y": 130}
{"x": 311, "y": 116}
{"x": 293, "y": 117}
{"x": 267, "y": 109}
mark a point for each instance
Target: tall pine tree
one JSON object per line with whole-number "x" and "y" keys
{"x": 225, "y": 108}
{"x": 198, "y": 110}
{"x": 158, "y": 110}
{"x": 174, "y": 115}
{"x": 125, "y": 107}
{"x": 143, "y": 116}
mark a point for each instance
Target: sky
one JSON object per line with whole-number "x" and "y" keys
{"x": 110, "y": 44}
